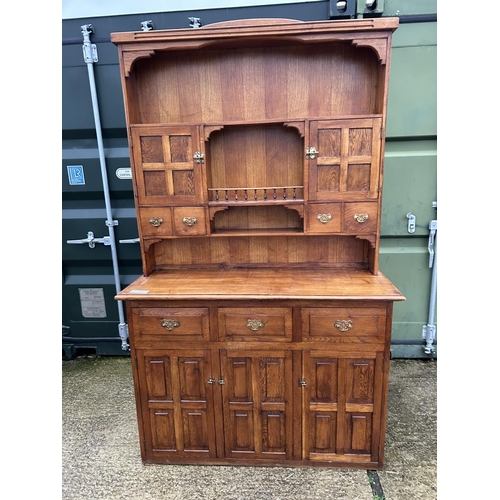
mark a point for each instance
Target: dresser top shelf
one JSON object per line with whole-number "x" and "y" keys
{"x": 261, "y": 283}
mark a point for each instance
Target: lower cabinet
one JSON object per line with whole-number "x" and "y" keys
{"x": 319, "y": 403}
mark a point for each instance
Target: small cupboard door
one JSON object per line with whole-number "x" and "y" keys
{"x": 257, "y": 404}
{"x": 347, "y": 163}
{"x": 176, "y": 403}
{"x": 341, "y": 407}
{"x": 167, "y": 165}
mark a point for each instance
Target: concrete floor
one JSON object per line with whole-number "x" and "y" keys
{"x": 101, "y": 459}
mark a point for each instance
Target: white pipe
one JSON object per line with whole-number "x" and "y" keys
{"x": 89, "y": 50}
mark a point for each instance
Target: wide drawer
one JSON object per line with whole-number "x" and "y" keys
{"x": 344, "y": 324}
{"x": 253, "y": 323}
{"x": 171, "y": 323}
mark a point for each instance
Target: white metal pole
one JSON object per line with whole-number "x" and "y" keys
{"x": 90, "y": 56}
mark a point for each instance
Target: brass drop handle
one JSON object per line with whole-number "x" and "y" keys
{"x": 170, "y": 324}
{"x": 343, "y": 325}
{"x": 190, "y": 221}
{"x": 255, "y": 324}
{"x": 211, "y": 381}
{"x": 156, "y": 221}
{"x": 361, "y": 218}
{"x": 324, "y": 218}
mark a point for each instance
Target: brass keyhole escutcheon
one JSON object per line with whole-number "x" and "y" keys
{"x": 156, "y": 221}
{"x": 343, "y": 325}
{"x": 255, "y": 324}
{"x": 170, "y": 324}
{"x": 361, "y": 218}
{"x": 190, "y": 221}
{"x": 324, "y": 218}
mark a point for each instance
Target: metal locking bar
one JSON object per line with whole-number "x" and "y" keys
{"x": 91, "y": 240}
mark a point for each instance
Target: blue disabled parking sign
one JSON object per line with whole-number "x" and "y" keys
{"x": 75, "y": 175}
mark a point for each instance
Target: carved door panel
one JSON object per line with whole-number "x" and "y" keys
{"x": 347, "y": 163}
{"x": 257, "y": 404}
{"x": 167, "y": 165}
{"x": 177, "y": 403}
{"x": 342, "y": 407}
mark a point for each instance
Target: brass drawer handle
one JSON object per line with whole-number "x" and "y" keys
{"x": 361, "y": 218}
{"x": 190, "y": 221}
{"x": 343, "y": 325}
{"x": 324, "y": 218}
{"x": 211, "y": 381}
{"x": 170, "y": 324}
{"x": 255, "y": 324}
{"x": 156, "y": 221}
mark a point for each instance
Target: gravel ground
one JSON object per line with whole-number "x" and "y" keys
{"x": 101, "y": 459}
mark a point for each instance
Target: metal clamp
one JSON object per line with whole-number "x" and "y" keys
{"x": 89, "y": 49}
{"x": 91, "y": 240}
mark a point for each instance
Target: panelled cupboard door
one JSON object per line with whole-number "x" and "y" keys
{"x": 177, "y": 403}
{"x": 257, "y": 404}
{"x": 167, "y": 164}
{"x": 347, "y": 163}
{"x": 342, "y": 407}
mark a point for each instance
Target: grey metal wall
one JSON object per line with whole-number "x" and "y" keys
{"x": 90, "y": 315}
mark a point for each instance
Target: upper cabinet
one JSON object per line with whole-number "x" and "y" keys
{"x": 258, "y": 128}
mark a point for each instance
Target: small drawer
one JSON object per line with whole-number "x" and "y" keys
{"x": 267, "y": 323}
{"x": 190, "y": 221}
{"x": 156, "y": 221}
{"x": 344, "y": 324}
{"x": 360, "y": 217}
{"x": 171, "y": 323}
{"x": 323, "y": 218}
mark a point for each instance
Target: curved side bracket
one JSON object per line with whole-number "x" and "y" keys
{"x": 371, "y": 238}
{"x": 130, "y": 57}
{"x": 148, "y": 243}
{"x": 379, "y": 45}
{"x": 298, "y": 208}
{"x": 300, "y": 126}
{"x": 211, "y": 128}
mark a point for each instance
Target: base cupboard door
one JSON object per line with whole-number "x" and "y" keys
{"x": 176, "y": 404}
{"x": 257, "y": 404}
{"x": 341, "y": 407}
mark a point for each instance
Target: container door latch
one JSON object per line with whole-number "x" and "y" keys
{"x": 91, "y": 240}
